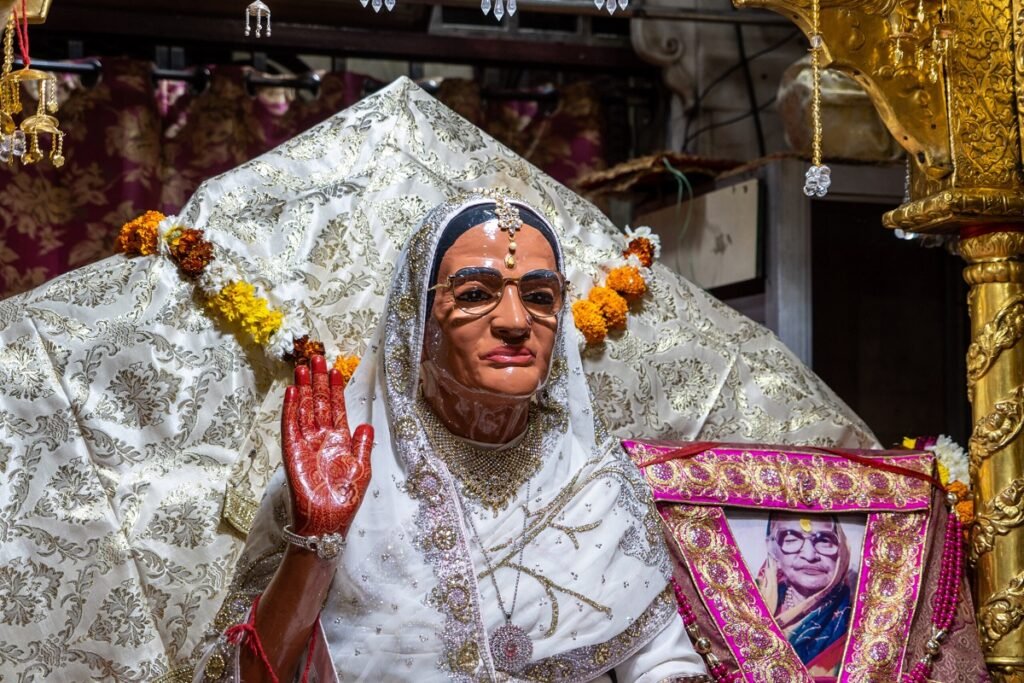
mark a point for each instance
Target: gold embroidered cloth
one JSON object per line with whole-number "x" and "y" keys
{"x": 136, "y": 434}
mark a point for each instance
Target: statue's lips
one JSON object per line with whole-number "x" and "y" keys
{"x": 510, "y": 355}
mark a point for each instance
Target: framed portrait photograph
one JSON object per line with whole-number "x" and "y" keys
{"x": 806, "y": 564}
{"x": 805, "y": 567}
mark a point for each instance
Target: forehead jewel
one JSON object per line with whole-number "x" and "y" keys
{"x": 509, "y": 221}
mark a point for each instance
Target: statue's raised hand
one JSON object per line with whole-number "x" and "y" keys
{"x": 328, "y": 470}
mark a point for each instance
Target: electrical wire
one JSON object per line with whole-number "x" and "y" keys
{"x": 728, "y": 122}
{"x": 696, "y": 109}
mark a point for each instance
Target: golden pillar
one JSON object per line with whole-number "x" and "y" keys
{"x": 947, "y": 77}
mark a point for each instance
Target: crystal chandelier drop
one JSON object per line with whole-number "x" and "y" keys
{"x": 500, "y": 7}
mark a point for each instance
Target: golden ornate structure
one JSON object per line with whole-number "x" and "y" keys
{"x": 947, "y": 77}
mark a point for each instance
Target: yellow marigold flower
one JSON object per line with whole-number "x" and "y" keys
{"x": 943, "y": 472}
{"x": 238, "y": 302}
{"x": 627, "y": 281}
{"x": 139, "y": 235}
{"x": 589, "y": 321}
{"x": 613, "y": 307}
{"x": 346, "y": 365}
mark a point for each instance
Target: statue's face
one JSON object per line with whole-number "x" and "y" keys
{"x": 505, "y": 351}
{"x": 806, "y": 552}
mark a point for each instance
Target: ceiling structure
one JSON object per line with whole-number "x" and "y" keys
{"x": 575, "y": 37}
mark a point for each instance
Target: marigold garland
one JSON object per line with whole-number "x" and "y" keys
{"x": 238, "y": 302}
{"x": 951, "y": 463}
{"x": 190, "y": 250}
{"x": 627, "y": 281}
{"x": 607, "y": 306}
{"x": 224, "y": 288}
{"x": 303, "y": 350}
{"x": 346, "y": 365}
{"x": 612, "y": 306}
{"x": 140, "y": 235}
{"x": 589, "y": 321}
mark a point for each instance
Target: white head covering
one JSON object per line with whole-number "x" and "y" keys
{"x": 407, "y": 599}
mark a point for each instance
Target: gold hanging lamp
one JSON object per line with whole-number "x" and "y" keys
{"x": 21, "y": 142}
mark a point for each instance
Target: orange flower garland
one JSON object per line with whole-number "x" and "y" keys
{"x": 607, "y": 306}
{"x": 589, "y": 321}
{"x": 627, "y": 281}
{"x": 140, "y": 235}
{"x": 234, "y": 299}
{"x": 190, "y": 251}
{"x": 612, "y": 306}
{"x": 643, "y": 249}
{"x": 303, "y": 349}
{"x": 346, "y": 365}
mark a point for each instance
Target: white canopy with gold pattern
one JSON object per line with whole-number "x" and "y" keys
{"x": 137, "y": 433}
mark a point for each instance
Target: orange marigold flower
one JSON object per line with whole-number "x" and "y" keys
{"x": 190, "y": 251}
{"x": 643, "y": 249}
{"x": 965, "y": 511}
{"x": 346, "y": 365}
{"x": 959, "y": 488}
{"x": 613, "y": 306}
{"x": 589, "y": 321}
{"x": 627, "y": 281}
{"x": 139, "y": 235}
{"x": 303, "y": 349}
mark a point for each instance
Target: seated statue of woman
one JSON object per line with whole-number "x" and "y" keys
{"x": 502, "y": 535}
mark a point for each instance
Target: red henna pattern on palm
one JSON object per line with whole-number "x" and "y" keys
{"x": 328, "y": 471}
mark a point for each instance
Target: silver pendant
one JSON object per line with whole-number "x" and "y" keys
{"x": 511, "y": 648}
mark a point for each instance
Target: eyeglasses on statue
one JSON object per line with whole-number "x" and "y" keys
{"x": 478, "y": 290}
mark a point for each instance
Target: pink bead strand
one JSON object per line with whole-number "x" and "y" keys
{"x": 717, "y": 668}
{"x": 947, "y": 594}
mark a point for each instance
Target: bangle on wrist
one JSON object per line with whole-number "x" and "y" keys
{"x": 326, "y": 547}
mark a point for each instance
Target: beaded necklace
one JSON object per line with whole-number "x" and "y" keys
{"x": 490, "y": 476}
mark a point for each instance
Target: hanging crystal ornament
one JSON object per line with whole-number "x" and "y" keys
{"x": 512, "y": 7}
{"x": 819, "y": 176}
{"x": 22, "y": 142}
{"x": 260, "y": 11}
{"x": 499, "y": 9}
{"x": 485, "y": 7}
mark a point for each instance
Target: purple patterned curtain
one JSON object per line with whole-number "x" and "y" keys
{"x": 132, "y": 146}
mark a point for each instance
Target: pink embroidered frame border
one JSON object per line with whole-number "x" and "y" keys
{"x": 691, "y": 494}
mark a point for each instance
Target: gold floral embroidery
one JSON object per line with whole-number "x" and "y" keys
{"x": 702, "y": 539}
{"x": 747, "y": 475}
{"x": 888, "y": 592}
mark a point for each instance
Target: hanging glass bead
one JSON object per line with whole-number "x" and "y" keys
{"x": 623, "y": 4}
{"x": 376, "y": 4}
{"x": 499, "y": 9}
{"x": 485, "y": 7}
{"x": 390, "y": 4}
{"x": 5, "y": 149}
{"x": 610, "y": 6}
{"x": 817, "y": 180}
{"x": 19, "y": 145}
{"x": 512, "y": 7}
